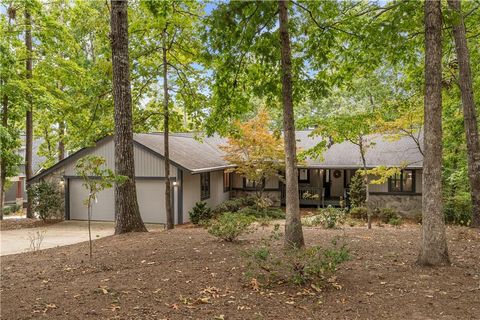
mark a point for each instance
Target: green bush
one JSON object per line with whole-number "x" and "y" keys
{"x": 7, "y": 211}
{"x": 46, "y": 199}
{"x": 458, "y": 210}
{"x": 14, "y": 208}
{"x": 234, "y": 205}
{"x": 359, "y": 213}
{"x": 258, "y": 212}
{"x": 311, "y": 221}
{"x": 230, "y": 225}
{"x": 200, "y": 212}
{"x": 395, "y": 221}
{"x": 386, "y": 214}
{"x": 313, "y": 265}
{"x": 329, "y": 217}
{"x": 358, "y": 190}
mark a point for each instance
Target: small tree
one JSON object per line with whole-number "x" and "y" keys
{"x": 357, "y": 191}
{"x": 95, "y": 179}
{"x": 46, "y": 199}
{"x": 256, "y": 153}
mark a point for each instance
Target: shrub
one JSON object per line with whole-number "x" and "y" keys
{"x": 46, "y": 199}
{"x": 386, "y": 214}
{"x": 234, "y": 205}
{"x": 7, "y": 211}
{"x": 395, "y": 221}
{"x": 311, "y": 221}
{"x": 200, "y": 212}
{"x": 258, "y": 212}
{"x": 458, "y": 210}
{"x": 329, "y": 217}
{"x": 358, "y": 191}
{"x": 230, "y": 225}
{"x": 313, "y": 265}
{"x": 359, "y": 213}
{"x": 14, "y": 208}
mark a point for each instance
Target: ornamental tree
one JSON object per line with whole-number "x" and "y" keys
{"x": 256, "y": 153}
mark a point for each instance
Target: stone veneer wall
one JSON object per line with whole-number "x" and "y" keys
{"x": 407, "y": 205}
{"x": 273, "y": 195}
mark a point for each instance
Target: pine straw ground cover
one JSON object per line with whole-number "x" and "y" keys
{"x": 21, "y": 223}
{"x": 188, "y": 274}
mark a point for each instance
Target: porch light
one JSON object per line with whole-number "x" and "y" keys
{"x": 62, "y": 182}
{"x": 176, "y": 184}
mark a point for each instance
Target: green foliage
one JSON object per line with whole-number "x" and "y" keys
{"x": 258, "y": 212}
{"x": 229, "y": 226}
{"x": 357, "y": 191}
{"x": 328, "y": 217}
{"x": 313, "y": 265}
{"x": 200, "y": 212}
{"x": 386, "y": 215}
{"x": 234, "y": 204}
{"x": 458, "y": 210}
{"x": 259, "y": 208}
{"x": 46, "y": 199}
{"x": 96, "y": 177}
{"x": 359, "y": 213}
{"x": 11, "y": 209}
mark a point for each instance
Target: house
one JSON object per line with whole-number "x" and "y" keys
{"x": 200, "y": 173}
{"x": 16, "y": 190}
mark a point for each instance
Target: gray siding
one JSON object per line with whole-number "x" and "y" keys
{"x": 217, "y": 195}
{"x": 191, "y": 191}
{"x": 146, "y": 163}
{"x": 150, "y": 195}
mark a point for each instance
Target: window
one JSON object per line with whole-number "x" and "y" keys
{"x": 204, "y": 185}
{"x": 250, "y": 184}
{"x": 226, "y": 181}
{"x": 303, "y": 175}
{"x": 403, "y": 181}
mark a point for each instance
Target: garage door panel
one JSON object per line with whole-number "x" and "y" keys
{"x": 150, "y": 195}
{"x": 102, "y": 209}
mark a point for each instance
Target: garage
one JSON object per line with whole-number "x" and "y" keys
{"x": 150, "y": 195}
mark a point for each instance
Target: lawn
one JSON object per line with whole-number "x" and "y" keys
{"x": 188, "y": 274}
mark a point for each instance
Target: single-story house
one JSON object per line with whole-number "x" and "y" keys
{"x": 200, "y": 173}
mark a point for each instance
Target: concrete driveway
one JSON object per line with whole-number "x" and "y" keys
{"x": 59, "y": 234}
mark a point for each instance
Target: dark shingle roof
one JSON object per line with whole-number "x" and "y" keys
{"x": 204, "y": 154}
{"x": 199, "y": 154}
{"x": 383, "y": 151}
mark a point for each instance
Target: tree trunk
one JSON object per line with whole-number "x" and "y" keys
{"x": 293, "y": 225}
{"x": 29, "y": 115}
{"x": 127, "y": 214}
{"x": 433, "y": 250}
{"x": 61, "y": 143}
{"x": 365, "y": 181}
{"x": 469, "y": 112}
{"x": 168, "y": 202}
{"x": 3, "y": 165}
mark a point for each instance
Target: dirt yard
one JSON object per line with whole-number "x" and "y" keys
{"x": 22, "y": 223}
{"x": 188, "y": 274}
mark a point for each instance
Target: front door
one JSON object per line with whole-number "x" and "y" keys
{"x": 327, "y": 183}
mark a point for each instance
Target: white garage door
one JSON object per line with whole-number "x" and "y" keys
{"x": 150, "y": 195}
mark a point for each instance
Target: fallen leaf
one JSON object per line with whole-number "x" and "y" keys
{"x": 255, "y": 284}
